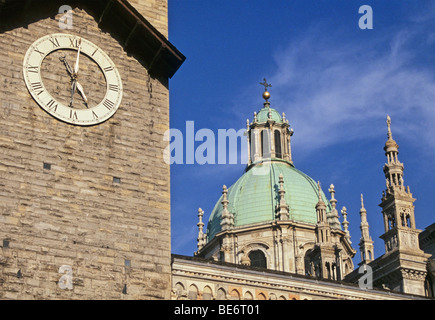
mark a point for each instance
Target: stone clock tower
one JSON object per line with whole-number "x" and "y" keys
{"x": 84, "y": 190}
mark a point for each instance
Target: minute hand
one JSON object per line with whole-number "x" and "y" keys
{"x": 76, "y": 67}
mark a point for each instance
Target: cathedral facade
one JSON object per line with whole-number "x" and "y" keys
{"x": 275, "y": 235}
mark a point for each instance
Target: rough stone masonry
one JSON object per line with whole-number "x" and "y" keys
{"x": 88, "y": 203}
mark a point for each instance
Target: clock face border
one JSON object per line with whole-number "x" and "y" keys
{"x": 32, "y": 63}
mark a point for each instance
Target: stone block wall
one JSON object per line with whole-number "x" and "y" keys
{"x": 155, "y": 11}
{"x": 95, "y": 200}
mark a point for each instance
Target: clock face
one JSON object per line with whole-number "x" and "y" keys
{"x": 72, "y": 79}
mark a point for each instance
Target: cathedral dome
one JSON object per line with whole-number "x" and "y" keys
{"x": 253, "y": 197}
{"x": 263, "y": 115}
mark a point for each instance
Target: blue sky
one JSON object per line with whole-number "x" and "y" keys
{"x": 336, "y": 84}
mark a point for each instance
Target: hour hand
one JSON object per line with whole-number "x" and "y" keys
{"x": 68, "y": 67}
{"x": 73, "y": 90}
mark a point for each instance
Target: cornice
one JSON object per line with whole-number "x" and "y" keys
{"x": 198, "y": 271}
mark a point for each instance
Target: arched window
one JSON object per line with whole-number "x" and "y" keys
{"x": 391, "y": 222}
{"x": 257, "y": 259}
{"x": 408, "y": 221}
{"x": 317, "y": 270}
{"x": 235, "y": 295}
{"x": 248, "y": 296}
{"x": 207, "y": 293}
{"x": 261, "y": 296}
{"x": 221, "y": 294}
{"x": 265, "y": 143}
{"x": 193, "y": 293}
{"x": 179, "y": 289}
{"x": 253, "y": 143}
{"x": 277, "y": 136}
{"x": 402, "y": 218}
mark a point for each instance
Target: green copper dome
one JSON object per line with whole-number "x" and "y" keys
{"x": 252, "y": 199}
{"x": 263, "y": 115}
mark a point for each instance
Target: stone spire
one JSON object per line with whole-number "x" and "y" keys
{"x": 401, "y": 235}
{"x": 320, "y": 206}
{"x": 389, "y": 134}
{"x": 323, "y": 229}
{"x": 201, "y": 235}
{"x": 397, "y": 201}
{"x": 345, "y": 223}
{"x": 333, "y": 218}
{"x": 366, "y": 243}
{"x": 282, "y": 209}
{"x": 393, "y": 169}
{"x": 227, "y": 219}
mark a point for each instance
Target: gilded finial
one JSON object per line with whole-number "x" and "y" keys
{"x": 266, "y": 94}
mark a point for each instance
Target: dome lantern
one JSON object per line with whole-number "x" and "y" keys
{"x": 269, "y": 134}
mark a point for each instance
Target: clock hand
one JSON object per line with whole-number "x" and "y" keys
{"x": 80, "y": 88}
{"x": 76, "y": 67}
{"x": 73, "y": 90}
{"x": 68, "y": 67}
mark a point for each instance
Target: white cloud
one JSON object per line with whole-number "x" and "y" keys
{"x": 332, "y": 92}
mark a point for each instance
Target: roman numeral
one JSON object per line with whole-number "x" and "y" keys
{"x": 94, "y": 115}
{"x": 74, "y": 42}
{"x": 73, "y": 115}
{"x": 108, "y": 104}
{"x": 107, "y": 69}
{"x": 37, "y": 86}
{"x": 54, "y": 42}
{"x": 40, "y": 52}
{"x": 94, "y": 52}
{"x": 32, "y": 69}
{"x": 114, "y": 87}
{"x": 51, "y": 105}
